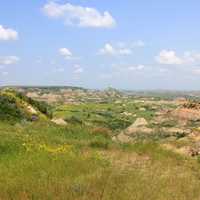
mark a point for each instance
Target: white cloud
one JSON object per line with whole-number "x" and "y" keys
{"x": 124, "y": 51}
{"x": 138, "y": 43}
{"x": 78, "y": 69}
{"x": 66, "y": 53}
{"x": 120, "y": 48}
{"x": 8, "y": 34}
{"x": 59, "y": 69}
{"x": 9, "y": 60}
{"x": 196, "y": 71}
{"x": 79, "y": 16}
{"x": 169, "y": 57}
{"x": 4, "y": 73}
{"x": 163, "y": 70}
{"x": 191, "y": 57}
{"x": 108, "y": 49}
{"x": 138, "y": 67}
{"x": 52, "y": 62}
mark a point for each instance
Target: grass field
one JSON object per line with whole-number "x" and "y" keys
{"x": 43, "y": 161}
{"x": 80, "y": 161}
{"x": 115, "y": 116}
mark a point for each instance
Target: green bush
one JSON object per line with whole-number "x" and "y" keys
{"x": 74, "y": 120}
{"x": 116, "y": 123}
{"x": 9, "y": 109}
{"x": 99, "y": 143}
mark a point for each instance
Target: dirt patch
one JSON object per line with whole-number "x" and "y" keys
{"x": 139, "y": 126}
{"x": 186, "y": 114}
{"x": 126, "y": 160}
{"x": 59, "y": 121}
{"x": 123, "y": 138}
{"x": 185, "y": 150}
{"x": 31, "y": 110}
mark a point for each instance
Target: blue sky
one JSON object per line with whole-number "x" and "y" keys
{"x": 125, "y": 44}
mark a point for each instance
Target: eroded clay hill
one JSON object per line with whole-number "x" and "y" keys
{"x": 177, "y": 129}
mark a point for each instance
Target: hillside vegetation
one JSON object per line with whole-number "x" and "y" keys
{"x": 15, "y": 106}
{"x": 77, "y": 161}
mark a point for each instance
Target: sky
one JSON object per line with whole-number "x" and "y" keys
{"x": 126, "y": 44}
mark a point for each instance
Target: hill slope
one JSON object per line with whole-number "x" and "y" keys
{"x": 15, "y": 106}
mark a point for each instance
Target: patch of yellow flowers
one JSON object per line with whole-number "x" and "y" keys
{"x": 47, "y": 148}
{"x": 60, "y": 149}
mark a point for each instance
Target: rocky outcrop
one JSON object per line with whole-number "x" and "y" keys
{"x": 59, "y": 121}
{"x": 139, "y": 126}
{"x": 174, "y": 131}
{"x": 186, "y": 114}
{"x": 32, "y": 110}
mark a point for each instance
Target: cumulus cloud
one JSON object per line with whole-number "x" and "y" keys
{"x": 78, "y": 69}
{"x": 138, "y": 43}
{"x": 191, "y": 57}
{"x": 169, "y": 57}
{"x": 138, "y": 67}
{"x": 108, "y": 49}
{"x": 58, "y": 69}
{"x": 79, "y": 16}
{"x": 66, "y": 53}
{"x": 124, "y": 51}
{"x": 9, "y": 60}
{"x": 7, "y": 34}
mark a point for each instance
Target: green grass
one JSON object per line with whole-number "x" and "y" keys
{"x": 108, "y": 115}
{"x": 43, "y": 161}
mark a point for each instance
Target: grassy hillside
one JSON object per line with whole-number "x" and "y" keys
{"x": 41, "y": 160}
{"x": 14, "y": 106}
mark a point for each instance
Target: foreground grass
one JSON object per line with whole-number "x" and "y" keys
{"x": 44, "y": 161}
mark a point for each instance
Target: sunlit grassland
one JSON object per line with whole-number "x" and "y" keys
{"x": 44, "y": 161}
{"x": 115, "y": 116}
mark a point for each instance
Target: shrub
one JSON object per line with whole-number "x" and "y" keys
{"x": 9, "y": 109}
{"x": 102, "y": 131}
{"x": 74, "y": 120}
{"x": 99, "y": 143}
{"x": 117, "y": 123}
